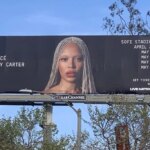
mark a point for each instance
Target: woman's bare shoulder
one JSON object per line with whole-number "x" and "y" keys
{"x": 53, "y": 89}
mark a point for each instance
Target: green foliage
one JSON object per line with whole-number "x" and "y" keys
{"x": 57, "y": 144}
{"x": 24, "y": 133}
{"x": 8, "y": 134}
{"x": 135, "y": 116}
{"x": 30, "y": 134}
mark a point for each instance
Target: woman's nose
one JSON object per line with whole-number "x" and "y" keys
{"x": 71, "y": 63}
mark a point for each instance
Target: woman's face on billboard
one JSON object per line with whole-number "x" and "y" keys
{"x": 70, "y": 63}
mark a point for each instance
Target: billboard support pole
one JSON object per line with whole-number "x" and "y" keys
{"x": 78, "y": 113}
{"x": 47, "y": 124}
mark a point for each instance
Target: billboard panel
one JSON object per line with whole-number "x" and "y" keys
{"x": 75, "y": 64}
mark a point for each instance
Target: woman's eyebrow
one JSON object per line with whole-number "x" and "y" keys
{"x": 63, "y": 56}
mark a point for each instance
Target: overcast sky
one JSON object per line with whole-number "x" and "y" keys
{"x": 55, "y": 17}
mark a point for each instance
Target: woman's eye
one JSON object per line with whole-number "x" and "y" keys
{"x": 63, "y": 59}
{"x": 79, "y": 59}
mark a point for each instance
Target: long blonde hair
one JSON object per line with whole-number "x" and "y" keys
{"x": 87, "y": 84}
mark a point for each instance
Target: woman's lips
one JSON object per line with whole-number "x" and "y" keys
{"x": 71, "y": 74}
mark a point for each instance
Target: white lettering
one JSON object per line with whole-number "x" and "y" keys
{"x": 3, "y": 58}
{"x": 144, "y": 51}
{"x": 15, "y": 64}
{"x": 140, "y": 46}
{"x": 144, "y": 66}
{"x": 126, "y": 41}
{"x": 140, "y": 89}
{"x": 1, "y": 64}
{"x": 144, "y": 61}
{"x": 144, "y": 56}
{"x": 142, "y": 41}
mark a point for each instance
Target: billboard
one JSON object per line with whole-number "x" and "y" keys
{"x": 75, "y": 64}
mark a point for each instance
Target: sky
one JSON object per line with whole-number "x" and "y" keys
{"x": 55, "y": 17}
{"x": 52, "y": 17}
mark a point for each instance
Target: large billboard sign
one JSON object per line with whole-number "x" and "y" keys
{"x": 75, "y": 64}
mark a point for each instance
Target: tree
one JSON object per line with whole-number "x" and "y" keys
{"x": 104, "y": 123}
{"x": 24, "y": 133}
{"x": 8, "y": 134}
{"x": 28, "y": 125}
{"x": 124, "y": 19}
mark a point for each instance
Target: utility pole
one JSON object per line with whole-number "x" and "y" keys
{"x": 79, "y": 129}
{"x": 78, "y": 113}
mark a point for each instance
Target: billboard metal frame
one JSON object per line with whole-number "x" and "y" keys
{"x": 55, "y": 99}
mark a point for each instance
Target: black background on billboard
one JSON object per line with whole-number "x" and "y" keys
{"x": 113, "y": 64}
